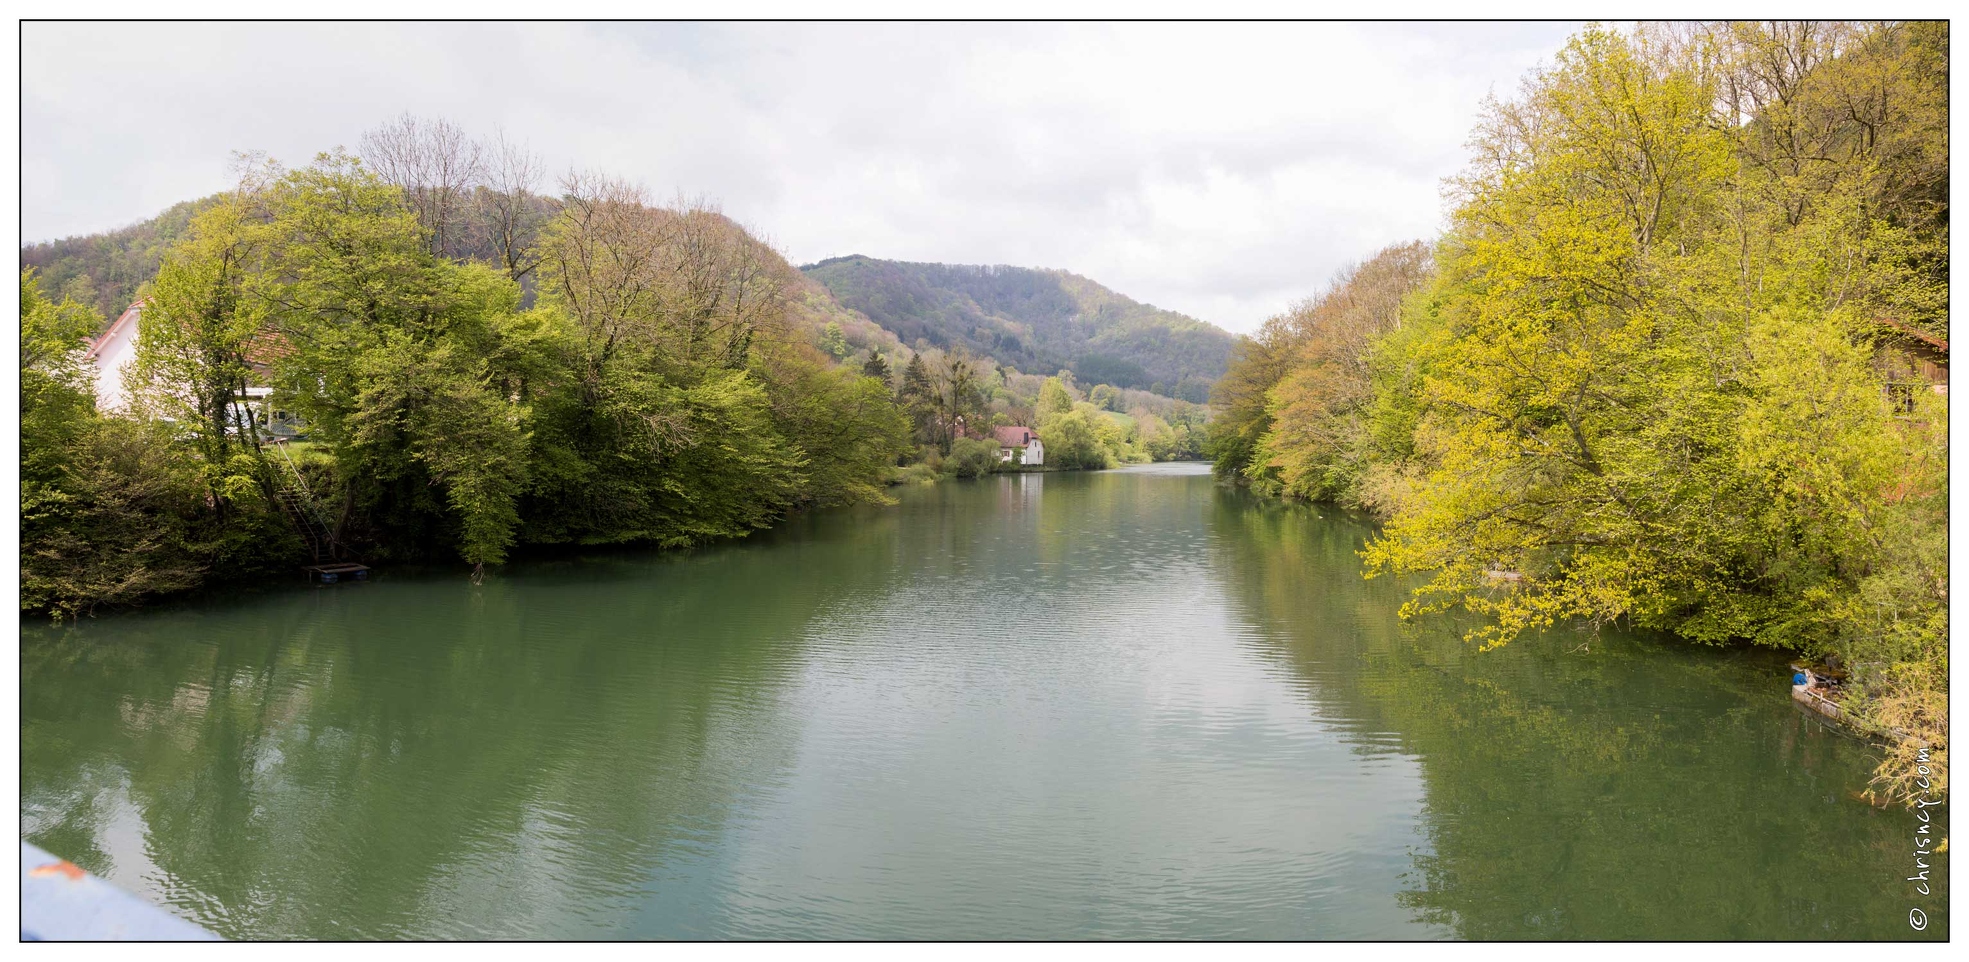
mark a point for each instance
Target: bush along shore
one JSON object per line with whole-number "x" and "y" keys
{"x": 1679, "y": 362}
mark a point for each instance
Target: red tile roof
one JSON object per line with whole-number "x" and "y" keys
{"x": 1013, "y": 437}
{"x": 1915, "y": 334}
{"x": 264, "y": 348}
{"x": 95, "y": 346}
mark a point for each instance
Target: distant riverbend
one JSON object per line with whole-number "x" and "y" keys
{"x": 1120, "y": 704}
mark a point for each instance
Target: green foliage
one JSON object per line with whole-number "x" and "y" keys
{"x": 1645, "y": 381}
{"x": 922, "y": 472}
{"x": 1054, "y": 399}
{"x": 1074, "y": 439}
{"x": 918, "y": 399}
{"x": 1162, "y": 440}
{"x": 847, "y": 425}
{"x": 971, "y": 458}
{"x": 116, "y": 526}
{"x": 1296, "y": 421}
{"x": 196, "y": 339}
{"x": 57, "y": 400}
{"x": 107, "y": 505}
{"x": 834, "y": 342}
{"x": 1240, "y": 403}
{"x": 876, "y": 367}
{"x": 652, "y": 395}
{"x": 397, "y": 360}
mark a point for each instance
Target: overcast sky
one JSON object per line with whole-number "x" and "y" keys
{"x": 1219, "y": 170}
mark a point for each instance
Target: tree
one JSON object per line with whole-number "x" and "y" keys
{"x": 918, "y": 399}
{"x": 1073, "y": 441}
{"x": 1054, "y": 399}
{"x": 1316, "y": 443}
{"x": 848, "y": 427}
{"x": 204, "y": 331}
{"x": 959, "y": 398}
{"x": 661, "y": 390}
{"x": 1639, "y": 379}
{"x": 1555, "y": 352}
{"x": 436, "y": 165}
{"x": 682, "y": 284}
{"x": 509, "y": 213}
{"x": 1645, "y": 388}
{"x": 876, "y": 367}
{"x": 971, "y": 458}
{"x": 397, "y": 359}
{"x": 57, "y": 400}
{"x": 1240, "y": 402}
{"x": 833, "y": 342}
{"x": 690, "y": 414}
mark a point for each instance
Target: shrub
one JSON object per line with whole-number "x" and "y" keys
{"x": 971, "y": 458}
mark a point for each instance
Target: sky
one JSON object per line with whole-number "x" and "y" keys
{"x": 1220, "y": 170}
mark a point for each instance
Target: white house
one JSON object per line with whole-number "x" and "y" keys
{"x": 111, "y": 353}
{"x": 1019, "y": 445}
{"x": 117, "y": 347}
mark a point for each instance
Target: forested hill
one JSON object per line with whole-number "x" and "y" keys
{"x": 104, "y": 270}
{"x": 1035, "y": 320}
{"x": 1038, "y": 321}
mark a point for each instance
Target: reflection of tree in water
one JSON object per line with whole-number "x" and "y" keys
{"x": 1631, "y": 790}
{"x": 540, "y": 756}
{"x": 425, "y": 758}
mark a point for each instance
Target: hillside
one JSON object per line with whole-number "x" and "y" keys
{"x": 1038, "y": 321}
{"x": 1035, "y": 320}
{"x": 104, "y": 270}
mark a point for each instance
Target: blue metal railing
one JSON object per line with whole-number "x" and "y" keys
{"x": 63, "y": 903}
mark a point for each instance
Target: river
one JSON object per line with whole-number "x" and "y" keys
{"x": 1116, "y": 704}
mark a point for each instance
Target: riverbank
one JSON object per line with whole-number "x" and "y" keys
{"x": 1612, "y": 410}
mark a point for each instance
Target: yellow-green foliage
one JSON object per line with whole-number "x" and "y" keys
{"x": 1641, "y": 385}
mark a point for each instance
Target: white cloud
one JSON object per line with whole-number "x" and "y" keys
{"x": 1222, "y": 170}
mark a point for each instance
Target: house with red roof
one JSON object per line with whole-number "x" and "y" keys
{"x": 1019, "y": 445}
{"x": 111, "y": 353}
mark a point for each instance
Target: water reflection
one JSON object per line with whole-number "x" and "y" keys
{"x": 1107, "y": 705}
{"x": 415, "y": 756}
{"x": 1581, "y": 787}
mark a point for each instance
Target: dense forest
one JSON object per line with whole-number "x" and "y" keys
{"x": 1661, "y": 368}
{"x": 480, "y": 367}
{"x": 1034, "y": 320}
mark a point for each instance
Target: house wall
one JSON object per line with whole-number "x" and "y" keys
{"x": 1035, "y": 452}
{"x": 111, "y": 355}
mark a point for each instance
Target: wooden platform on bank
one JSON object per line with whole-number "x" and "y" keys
{"x": 330, "y": 574}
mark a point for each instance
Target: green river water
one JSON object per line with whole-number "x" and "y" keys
{"x": 1108, "y": 705}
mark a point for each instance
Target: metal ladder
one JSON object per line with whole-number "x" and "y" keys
{"x": 299, "y": 502}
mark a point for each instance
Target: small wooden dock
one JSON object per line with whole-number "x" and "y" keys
{"x": 330, "y": 574}
{"x": 1812, "y": 695}
{"x": 1809, "y": 688}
